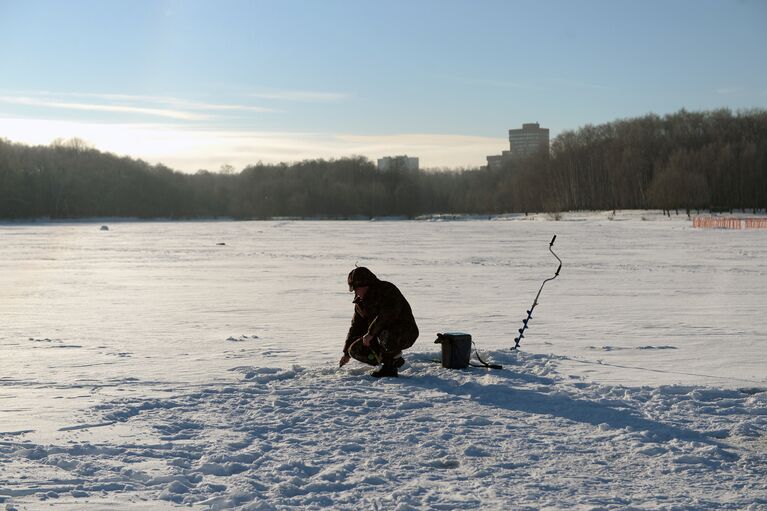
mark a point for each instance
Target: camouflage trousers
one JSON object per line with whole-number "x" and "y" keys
{"x": 384, "y": 348}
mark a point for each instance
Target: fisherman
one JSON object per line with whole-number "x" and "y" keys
{"x": 382, "y": 326}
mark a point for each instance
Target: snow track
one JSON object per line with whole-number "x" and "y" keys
{"x": 525, "y": 437}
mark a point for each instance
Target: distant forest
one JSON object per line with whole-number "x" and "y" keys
{"x": 713, "y": 160}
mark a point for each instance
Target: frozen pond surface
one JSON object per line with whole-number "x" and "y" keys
{"x": 165, "y": 363}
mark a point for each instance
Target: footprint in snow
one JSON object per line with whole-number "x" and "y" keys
{"x": 448, "y": 463}
{"x": 242, "y": 338}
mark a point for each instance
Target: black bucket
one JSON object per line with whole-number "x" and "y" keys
{"x": 456, "y": 349}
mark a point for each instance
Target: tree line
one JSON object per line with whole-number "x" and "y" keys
{"x": 686, "y": 160}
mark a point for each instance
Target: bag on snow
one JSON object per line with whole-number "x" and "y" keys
{"x": 456, "y": 349}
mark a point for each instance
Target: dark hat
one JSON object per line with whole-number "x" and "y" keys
{"x": 360, "y": 277}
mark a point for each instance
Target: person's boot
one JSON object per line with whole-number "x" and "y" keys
{"x": 387, "y": 370}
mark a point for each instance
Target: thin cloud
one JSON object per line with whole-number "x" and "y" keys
{"x": 302, "y": 96}
{"x": 168, "y": 107}
{"x": 729, "y": 91}
{"x": 500, "y": 84}
{"x": 578, "y": 84}
{"x": 176, "y": 102}
{"x": 94, "y": 107}
{"x": 542, "y": 84}
{"x": 221, "y": 107}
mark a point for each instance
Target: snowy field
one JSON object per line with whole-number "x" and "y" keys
{"x": 161, "y": 365}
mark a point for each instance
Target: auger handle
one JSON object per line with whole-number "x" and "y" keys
{"x": 556, "y": 274}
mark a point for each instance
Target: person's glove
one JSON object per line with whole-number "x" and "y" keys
{"x": 344, "y": 360}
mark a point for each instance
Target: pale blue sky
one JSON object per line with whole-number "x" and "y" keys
{"x": 197, "y": 84}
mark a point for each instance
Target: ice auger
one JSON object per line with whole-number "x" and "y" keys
{"x": 535, "y": 302}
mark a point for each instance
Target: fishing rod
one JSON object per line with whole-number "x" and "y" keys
{"x": 535, "y": 302}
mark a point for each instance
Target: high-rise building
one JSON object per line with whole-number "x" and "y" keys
{"x": 524, "y": 142}
{"x": 496, "y": 161}
{"x": 397, "y": 163}
{"x": 528, "y": 140}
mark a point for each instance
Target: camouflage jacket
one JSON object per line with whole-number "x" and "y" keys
{"x": 384, "y": 308}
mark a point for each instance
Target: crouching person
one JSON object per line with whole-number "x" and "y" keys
{"x": 382, "y": 326}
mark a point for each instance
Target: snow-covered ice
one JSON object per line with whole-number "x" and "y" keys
{"x": 161, "y": 364}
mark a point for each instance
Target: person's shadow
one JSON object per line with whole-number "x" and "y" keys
{"x": 509, "y": 396}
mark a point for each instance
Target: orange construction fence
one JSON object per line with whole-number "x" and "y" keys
{"x": 729, "y": 223}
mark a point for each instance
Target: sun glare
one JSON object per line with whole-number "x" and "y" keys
{"x": 188, "y": 149}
